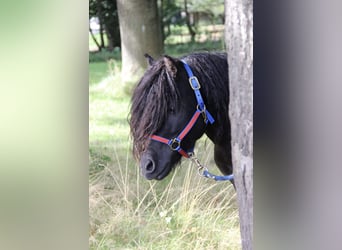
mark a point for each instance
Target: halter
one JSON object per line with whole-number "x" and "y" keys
{"x": 175, "y": 143}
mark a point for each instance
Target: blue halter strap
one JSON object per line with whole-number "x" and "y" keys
{"x": 195, "y": 85}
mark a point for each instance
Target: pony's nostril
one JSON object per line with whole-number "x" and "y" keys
{"x": 149, "y": 167}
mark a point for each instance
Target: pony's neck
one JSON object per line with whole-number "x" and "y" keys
{"x": 219, "y": 132}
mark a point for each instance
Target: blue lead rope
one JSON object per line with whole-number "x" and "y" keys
{"x": 207, "y": 174}
{"x": 203, "y": 171}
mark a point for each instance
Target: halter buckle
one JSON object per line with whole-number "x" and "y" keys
{"x": 194, "y": 83}
{"x": 174, "y": 144}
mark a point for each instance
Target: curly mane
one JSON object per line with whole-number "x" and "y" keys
{"x": 151, "y": 100}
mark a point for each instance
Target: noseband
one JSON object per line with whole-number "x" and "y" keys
{"x": 175, "y": 143}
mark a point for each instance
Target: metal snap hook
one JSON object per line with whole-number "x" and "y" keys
{"x": 201, "y": 170}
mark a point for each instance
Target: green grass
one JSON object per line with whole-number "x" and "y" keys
{"x": 184, "y": 211}
{"x": 182, "y": 49}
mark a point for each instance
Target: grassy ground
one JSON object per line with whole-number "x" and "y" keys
{"x": 126, "y": 211}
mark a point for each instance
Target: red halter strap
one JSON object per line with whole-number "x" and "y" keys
{"x": 174, "y": 143}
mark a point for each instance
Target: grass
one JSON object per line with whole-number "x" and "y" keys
{"x": 184, "y": 211}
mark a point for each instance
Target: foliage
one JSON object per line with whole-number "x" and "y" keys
{"x": 92, "y": 8}
{"x": 213, "y": 8}
{"x": 106, "y": 11}
{"x": 171, "y": 15}
{"x": 175, "y": 14}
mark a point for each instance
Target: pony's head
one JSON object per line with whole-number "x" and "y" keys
{"x": 163, "y": 103}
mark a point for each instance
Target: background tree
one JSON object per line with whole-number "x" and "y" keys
{"x": 170, "y": 13}
{"x": 213, "y": 9}
{"x": 239, "y": 41}
{"x": 106, "y": 12}
{"x": 140, "y": 33}
{"x": 188, "y": 23}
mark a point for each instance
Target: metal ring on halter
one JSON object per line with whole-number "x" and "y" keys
{"x": 174, "y": 144}
{"x": 199, "y": 108}
{"x": 203, "y": 112}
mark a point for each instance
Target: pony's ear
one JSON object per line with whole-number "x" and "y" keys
{"x": 149, "y": 58}
{"x": 170, "y": 64}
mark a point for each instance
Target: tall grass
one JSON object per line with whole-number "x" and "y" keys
{"x": 183, "y": 211}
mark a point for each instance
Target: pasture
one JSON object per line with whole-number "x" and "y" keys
{"x": 184, "y": 211}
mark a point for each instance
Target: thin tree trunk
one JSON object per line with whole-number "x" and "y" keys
{"x": 94, "y": 39}
{"x": 101, "y": 34}
{"x": 110, "y": 45}
{"x": 239, "y": 40}
{"x": 161, "y": 15}
{"x": 187, "y": 20}
{"x": 100, "y": 16}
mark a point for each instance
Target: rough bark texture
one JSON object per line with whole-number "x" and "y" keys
{"x": 239, "y": 40}
{"x": 140, "y": 33}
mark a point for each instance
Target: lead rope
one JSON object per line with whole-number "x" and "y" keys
{"x": 203, "y": 170}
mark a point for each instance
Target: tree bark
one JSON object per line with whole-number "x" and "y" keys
{"x": 140, "y": 33}
{"x": 239, "y": 41}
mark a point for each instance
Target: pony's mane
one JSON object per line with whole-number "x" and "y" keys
{"x": 151, "y": 101}
{"x": 157, "y": 93}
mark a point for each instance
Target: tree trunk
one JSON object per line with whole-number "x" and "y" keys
{"x": 239, "y": 41}
{"x": 111, "y": 25}
{"x": 94, "y": 39}
{"x": 187, "y": 21}
{"x": 161, "y": 15}
{"x": 100, "y": 16}
{"x": 110, "y": 45}
{"x": 102, "y": 44}
{"x": 140, "y": 33}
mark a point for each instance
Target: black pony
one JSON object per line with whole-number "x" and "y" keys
{"x": 165, "y": 102}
